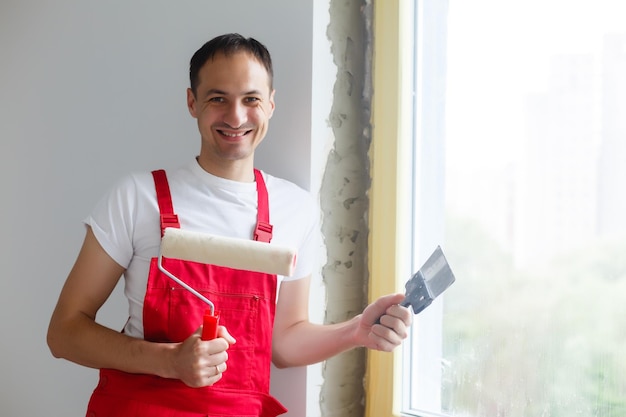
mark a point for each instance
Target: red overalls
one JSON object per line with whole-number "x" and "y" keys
{"x": 246, "y": 302}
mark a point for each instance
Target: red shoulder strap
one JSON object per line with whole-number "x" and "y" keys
{"x": 168, "y": 218}
{"x": 263, "y": 229}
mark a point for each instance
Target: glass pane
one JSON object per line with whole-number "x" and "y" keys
{"x": 535, "y": 204}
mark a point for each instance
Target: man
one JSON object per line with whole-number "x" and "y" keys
{"x": 159, "y": 365}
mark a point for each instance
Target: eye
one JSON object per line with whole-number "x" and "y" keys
{"x": 252, "y": 100}
{"x": 216, "y": 99}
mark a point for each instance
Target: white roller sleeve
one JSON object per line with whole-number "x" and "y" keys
{"x": 248, "y": 255}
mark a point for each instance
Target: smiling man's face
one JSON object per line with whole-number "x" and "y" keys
{"x": 233, "y": 104}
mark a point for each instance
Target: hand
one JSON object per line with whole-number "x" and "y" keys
{"x": 384, "y": 323}
{"x": 200, "y": 363}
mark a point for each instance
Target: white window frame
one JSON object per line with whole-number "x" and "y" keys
{"x": 423, "y": 351}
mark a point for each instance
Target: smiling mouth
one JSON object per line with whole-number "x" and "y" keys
{"x": 234, "y": 135}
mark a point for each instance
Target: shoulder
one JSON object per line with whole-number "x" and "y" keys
{"x": 292, "y": 205}
{"x": 285, "y": 189}
{"x": 288, "y": 197}
{"x": 141, "y": 184}
{"x": 133, "y": 182}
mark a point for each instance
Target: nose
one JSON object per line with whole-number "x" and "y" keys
{"x": 236, "y": 114}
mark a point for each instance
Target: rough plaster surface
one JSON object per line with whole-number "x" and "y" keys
{"x": 344, "y": 201}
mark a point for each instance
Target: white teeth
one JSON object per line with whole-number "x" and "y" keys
{"x": 232, "y": 135}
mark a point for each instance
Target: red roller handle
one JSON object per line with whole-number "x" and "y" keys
{"x": 209, "y": 325}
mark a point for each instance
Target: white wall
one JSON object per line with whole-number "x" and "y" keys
{"x": 90, "y": 91}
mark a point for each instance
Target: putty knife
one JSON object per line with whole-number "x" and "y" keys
{"x": 433, "y": 278}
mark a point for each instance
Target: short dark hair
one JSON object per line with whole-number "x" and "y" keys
{"x": 229, "y": 44}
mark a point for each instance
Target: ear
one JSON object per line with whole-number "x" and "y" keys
{"x": 272, "y": 104}
{"x": 191, "y": 103}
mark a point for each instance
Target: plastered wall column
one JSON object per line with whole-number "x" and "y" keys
{"x": 344, "y": 202}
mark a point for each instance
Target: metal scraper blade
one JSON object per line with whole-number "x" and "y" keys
{"x": 433, "y": 278}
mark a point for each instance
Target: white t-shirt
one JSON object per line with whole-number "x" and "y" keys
{"x": 126, "y": 222}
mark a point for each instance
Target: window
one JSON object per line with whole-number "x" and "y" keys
{"x": 520, "y": 175}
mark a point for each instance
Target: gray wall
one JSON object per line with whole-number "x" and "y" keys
{"x": 90, "y": 91}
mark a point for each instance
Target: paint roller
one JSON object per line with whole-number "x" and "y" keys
{"x": 248, "y": 255}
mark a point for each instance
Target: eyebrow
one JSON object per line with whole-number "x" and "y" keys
{"x": 224, "y": 93}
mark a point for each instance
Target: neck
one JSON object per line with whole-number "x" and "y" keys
{"x": 240, "y": 170}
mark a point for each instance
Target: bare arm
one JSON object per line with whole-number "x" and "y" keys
{"x": 73, "y": 333}
{"x": 297, "y": 342}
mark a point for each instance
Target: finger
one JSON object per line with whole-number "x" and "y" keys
{"x": 215, "y": 372}
{"x": 384, "y": 339}
{"x": 208, "y": 376}
{"x": 221, "y": 368}
{"x": 209, "y": 347}
{"x": 211, "y": 374}
{"x": 395, "y": 325}
{"x": 213, "y": 379}
{"x": 197, "y": 333}
{"x": 391, "y": 330}
{"x": 216, "y": 363}
{"x": 401, "y": 313}
{"x": 375, "y": 310}
{"x": 223, "y": 333}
